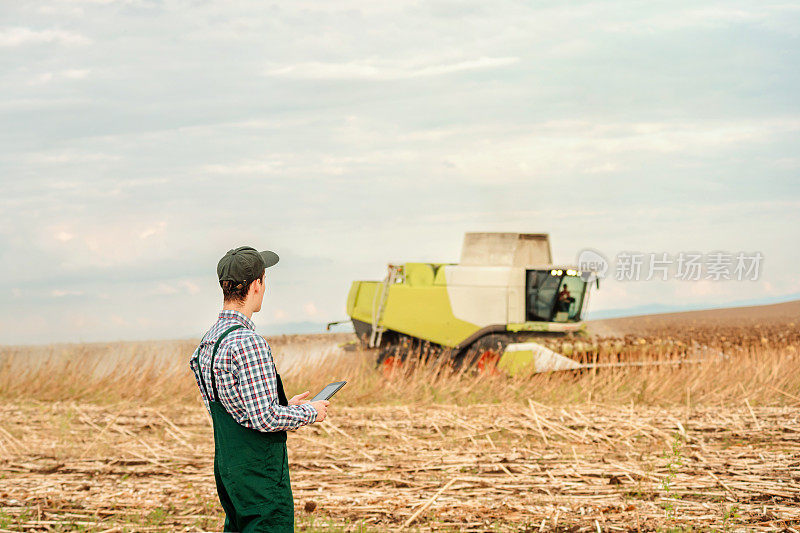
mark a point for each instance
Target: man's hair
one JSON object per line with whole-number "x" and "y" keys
{"x": 237, "y": 292}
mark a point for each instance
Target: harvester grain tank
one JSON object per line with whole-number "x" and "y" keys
{"x": 491, "y": 307}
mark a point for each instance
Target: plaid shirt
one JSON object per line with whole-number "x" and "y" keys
{"x": 246, "y": 377}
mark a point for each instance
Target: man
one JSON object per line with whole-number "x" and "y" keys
{"x": 243, "y": 392}
{"x": 565, "y": 299}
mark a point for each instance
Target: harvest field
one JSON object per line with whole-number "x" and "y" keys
{"x": 94, "y": 441}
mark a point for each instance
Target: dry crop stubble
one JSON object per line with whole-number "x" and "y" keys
{"x": 92, "y": 440}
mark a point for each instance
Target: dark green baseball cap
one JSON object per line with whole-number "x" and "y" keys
{"x": 244, "y": 264}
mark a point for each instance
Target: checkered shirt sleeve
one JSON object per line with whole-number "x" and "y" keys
{"x": 247, "y": 380}
{"x": 256, "y": 388}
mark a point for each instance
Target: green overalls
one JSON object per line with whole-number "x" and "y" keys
{"x": 251, "y": 467}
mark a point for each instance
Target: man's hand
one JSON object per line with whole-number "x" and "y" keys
{"x": 322, "y": 409}
{"x": 299, "y": 399}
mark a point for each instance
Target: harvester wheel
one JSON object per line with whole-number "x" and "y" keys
{"x": 487, "y": 362}
{"x": 389, "y": 364}
{"x": 484, "y": 353}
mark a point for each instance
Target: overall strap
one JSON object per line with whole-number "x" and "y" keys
{"x": 213, "y": 355}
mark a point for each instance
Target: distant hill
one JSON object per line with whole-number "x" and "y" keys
{"x": 288, "y": 328}
{"x": 653, "y": 309}
{"x": 787, "y": 313}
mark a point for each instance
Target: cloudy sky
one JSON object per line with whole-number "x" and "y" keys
{"x": 140, "y": 140}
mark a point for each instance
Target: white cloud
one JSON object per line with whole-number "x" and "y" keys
{"x": 279, "y": 314}
{"x": 246, "y": 167}
{"x": 164, "y": 289}
{"x": 151, "y": 231}
{"x": 189, "y": 287}
{"x": 24, "y": 36}
{"x": 701, "y": 17}
{"x": 589, "y": 147}
{"x": 59, "y": 157}
{"x": 64, "y": 236}
{"x": 80, "y": 321}
{"x": 283, "y": 164}
{"x": 60, "y": 293}
{"x": 99, "y": 239}
{"x": 383, "y": 70}
{"x": 310, "y": 309}
{"x": 70, "y": 74}
{"x": 98, "y": 2}
{"x": 184, "y": 286}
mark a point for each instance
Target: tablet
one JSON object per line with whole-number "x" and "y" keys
{"x": 328, "y": 391}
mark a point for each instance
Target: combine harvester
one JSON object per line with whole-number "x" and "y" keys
{"x": 487, "y": 310}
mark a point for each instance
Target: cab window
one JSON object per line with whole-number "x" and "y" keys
{"x": 554, "y": 296}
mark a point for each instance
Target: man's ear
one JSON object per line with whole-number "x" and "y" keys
{"x": 253, "y": 289}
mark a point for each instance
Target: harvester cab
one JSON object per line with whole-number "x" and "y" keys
{"x": 503, "y": 294}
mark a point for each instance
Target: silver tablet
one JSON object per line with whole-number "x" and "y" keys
{"x": 328, "y": 391}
